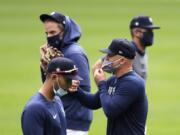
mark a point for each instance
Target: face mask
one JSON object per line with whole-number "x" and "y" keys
{"x": 54, "y": 41}
{"x": 107, "y": 66}
{"x": 59, "y": 92}
{"x": 147, "y": 38}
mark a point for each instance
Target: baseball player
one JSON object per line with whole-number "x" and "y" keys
{"x": 62, "y": 35}
{"x": 141, "y": 28}
{"x": 122, "y": 96}
{"x": 44, "y": 113}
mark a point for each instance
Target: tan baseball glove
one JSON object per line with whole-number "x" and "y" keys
{"x": 47, "y": 53}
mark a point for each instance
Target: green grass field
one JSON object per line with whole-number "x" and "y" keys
{"x": 21, "y": 34}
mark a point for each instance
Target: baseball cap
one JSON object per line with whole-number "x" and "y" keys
{"x": 145, "y": 22}
{"x": 121, "y": 47}
{"x": 63, "y": 66}
{"x": 55, "y": 16}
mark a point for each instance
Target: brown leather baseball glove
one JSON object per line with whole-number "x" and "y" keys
{"x": 47, "y": 53}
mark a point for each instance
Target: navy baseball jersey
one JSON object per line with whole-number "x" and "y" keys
{"x": 43, "y": 117}
{"x": 124, "y": 103}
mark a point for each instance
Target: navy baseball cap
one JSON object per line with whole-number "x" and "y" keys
{"x": 63, "y": 66}
{"x": 55, "y": 16}
{"x": 121, "y": 47}
{"x": 145, "y": 22}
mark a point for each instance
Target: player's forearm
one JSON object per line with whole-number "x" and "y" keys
{"x": 91, "y": 101}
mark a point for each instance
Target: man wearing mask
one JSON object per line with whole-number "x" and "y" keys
{"x": 63, "y": 34}
{"x": 122, "y": 96}
{"x": 141, "y": 28}
{"x": 44, "y": 113}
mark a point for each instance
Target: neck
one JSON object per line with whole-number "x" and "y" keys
{"x": 47, "y": 90}
{"x": 139, "y": 44}
{"x": 123, "y": 71}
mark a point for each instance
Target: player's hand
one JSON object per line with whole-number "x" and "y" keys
{"x": 74, "y": 86}
{"x": 99, "y": 75}
{"x": 97, "y": 65}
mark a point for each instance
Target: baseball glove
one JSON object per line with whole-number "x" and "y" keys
{"x": 47, "y": 53}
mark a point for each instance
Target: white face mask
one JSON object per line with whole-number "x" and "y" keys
{"x": 59, "y": 92}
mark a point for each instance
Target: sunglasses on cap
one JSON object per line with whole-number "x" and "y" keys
{"x": 66, "y": 72}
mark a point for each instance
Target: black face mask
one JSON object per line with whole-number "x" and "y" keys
{"x": 55, "y": 41}
{"x": 147, "y": 38}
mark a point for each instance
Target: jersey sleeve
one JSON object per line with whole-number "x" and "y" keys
{"x": 91, "y": 101}
{"x": 32, "y": 120}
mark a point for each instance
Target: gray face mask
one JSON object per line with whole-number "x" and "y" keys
{"x": 60, "y": 91}
{"x": 107, "y": 66}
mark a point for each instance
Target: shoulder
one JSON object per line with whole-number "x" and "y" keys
{"x": 77, "y": 54}
{"x": 35, "y": 106}
{"x": 73, "y": 48}
{"x": 141, "y": 57}
{"x": 140, "y": 65}
{"x": 132, "y": 82}
{"x": 33, "y": 112}
{"x": 134, "y": 79}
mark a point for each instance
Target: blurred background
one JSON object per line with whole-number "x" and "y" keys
{"x": 21, "y": 35}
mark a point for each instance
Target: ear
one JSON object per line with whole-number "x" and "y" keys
{"x": 62, "y": 34}
{"x": 136, "y": 33}
{"x": 54, "y": 76}
{"x": 122, "y": 61}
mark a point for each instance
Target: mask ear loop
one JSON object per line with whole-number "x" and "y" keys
{"x": 58, "y": 82}
{"x": 117, "y": 66}
{"x": 60, "y": 35}
{"x": 54, "y": 89}
{"x": 54, "y": 86}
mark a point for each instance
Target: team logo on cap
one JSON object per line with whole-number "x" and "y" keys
{"x": 63, "y": 22}
{"x": 52, "y": 13}
{"x": 136, "y": 23}
{"x": 150, "y": 19}
{"x": 120, "y": 52}
{"x": 57, "y": 69}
